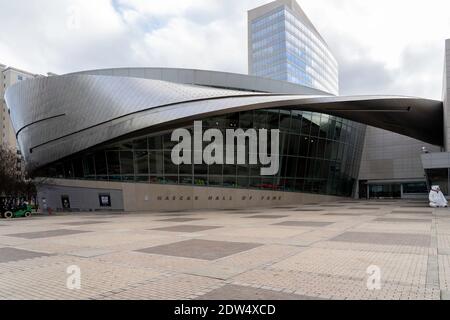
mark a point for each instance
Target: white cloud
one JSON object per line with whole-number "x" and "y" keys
{"x": 383, "y": 46}
{"x": 401, "y": 41}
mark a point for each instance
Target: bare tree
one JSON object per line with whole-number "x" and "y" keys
{"x": 13, "y": 180}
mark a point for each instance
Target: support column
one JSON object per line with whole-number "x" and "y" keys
{"x": 446, "y": 96}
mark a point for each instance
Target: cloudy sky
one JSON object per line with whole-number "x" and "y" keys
{"x": 382, "y": 46}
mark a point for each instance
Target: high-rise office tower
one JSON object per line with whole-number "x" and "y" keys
{"x": 283, "y": 44}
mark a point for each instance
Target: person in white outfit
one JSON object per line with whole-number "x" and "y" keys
{"x": 437, "y": 199}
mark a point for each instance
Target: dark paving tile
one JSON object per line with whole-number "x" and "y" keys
{"x": 293, "y": 207}
{"x": 13, "y": 254}
{"x": 244, "y": 212}
{"x": 364, "y": 208}
{"x": 400, "y": 220}
{"x": 181, "y": 220}
{"x": 174, "y": 215}
{"x": 234, "y": 292}
{"x": 415, "y": 206}
{"x": 343, "y": 214}
{"x": 309, "y": 209}
{"x": 332, "y": 205}
{"x": 379, "y": 204}
{"x": 304, "y": 224}
{"x": 83, "y": 223}
{"x": 187, "y": 228}
{"x": 103, "y": 216}
{"x": 404, "y": 239}
{"x": 46, "y": 234}
{"x": 201, "y": 249}
{"x": 266, "y": 216}
{"x": 412, "y": 212}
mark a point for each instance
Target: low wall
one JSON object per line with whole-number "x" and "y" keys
{"x": 135, "y": 197}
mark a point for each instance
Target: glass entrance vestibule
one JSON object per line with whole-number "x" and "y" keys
{"x": 393, "y": 190}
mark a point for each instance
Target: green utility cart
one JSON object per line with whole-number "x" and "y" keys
{"x": 18, "y": 212}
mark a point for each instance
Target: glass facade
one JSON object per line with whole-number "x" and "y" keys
{"x": 282, "y": 47}
{"x": 383, "y": 191}
{"x": 318, "y": 154}
{"x": 392, "y": 190}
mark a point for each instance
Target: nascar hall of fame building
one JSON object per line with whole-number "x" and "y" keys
{"x": 102, "y": 139}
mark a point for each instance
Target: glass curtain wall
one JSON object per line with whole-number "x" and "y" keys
{"x": 319, "y": 154}
{"x": 284, "y": 48}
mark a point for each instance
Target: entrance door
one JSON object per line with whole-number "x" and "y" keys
{"x": 385, "y": 191}
{"x": 363, "y": 189}
{"x": 65, "y": 201}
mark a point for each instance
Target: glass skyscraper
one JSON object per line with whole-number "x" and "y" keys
{"x": 284, "y": 45}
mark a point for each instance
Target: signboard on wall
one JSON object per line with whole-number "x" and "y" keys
{"x": 65, "y": 201}
{"x": 105, "y": 200}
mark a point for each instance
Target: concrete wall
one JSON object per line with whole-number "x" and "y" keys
{"x": 82, "y": 199}
{"x": 139, "y": 197}
{"x": 392, "y": 157}
{"x": 436, "y": 160}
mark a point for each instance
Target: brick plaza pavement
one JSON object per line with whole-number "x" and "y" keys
{"x": 315, "y": 251}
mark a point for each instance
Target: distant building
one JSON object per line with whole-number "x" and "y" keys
{"x": 284, "y": 45}
{"x": 8, "y": 77}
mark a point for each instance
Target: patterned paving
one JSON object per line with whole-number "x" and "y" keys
{"x": 187, "y": 228}
{"x": 173, "y": 214}
{"x": 318, "y": 251}
{"x": 83, "y": 223}
{"x": 304, "y": 224}
{"x": 46, "y": 234}
{"x": 243, "y": 212}
{"x": 12, "y": 254}
{"x": 400, "y": 220}
{"x": 234, "y": 292}
{"x": 344, "y": 214}
{"x": 181, "y": 220}
{"x": 412, "y": 212}
{"x": 268, "y": 216}
{"x": 415, "y": 240}
{"x": 201, "y": 249}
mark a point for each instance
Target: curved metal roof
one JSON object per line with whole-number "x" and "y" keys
{"x": 215, "y": 79}
{"x": 58, "y": 116}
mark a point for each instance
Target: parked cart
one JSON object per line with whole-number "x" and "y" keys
{"x": 9, "y": 209}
